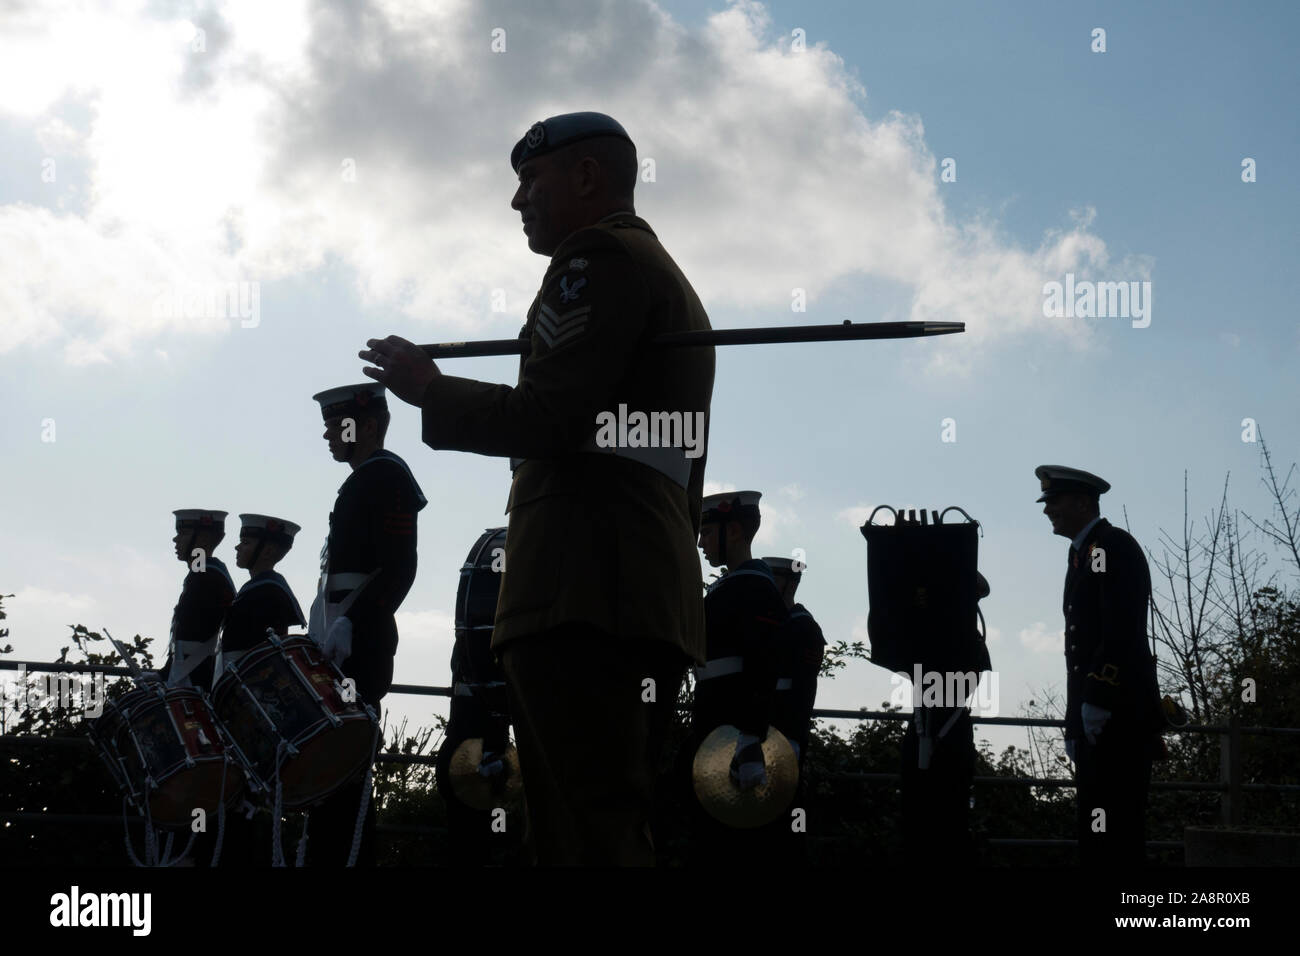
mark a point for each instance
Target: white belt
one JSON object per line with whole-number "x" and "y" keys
{"x": 346, "y": 581}
{"x": 785, "y": 683}
{"x": 720, "y": 667}
{"x": 672, "y": 463}
{"x": 460, "y": 689}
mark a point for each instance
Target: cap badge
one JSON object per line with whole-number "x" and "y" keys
{"x": 569, "y": 293}
{"x": 536, "y": 136}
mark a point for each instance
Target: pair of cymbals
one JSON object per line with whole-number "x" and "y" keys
{"x": 475, "y": 790}
{"x": 723, "y": 800}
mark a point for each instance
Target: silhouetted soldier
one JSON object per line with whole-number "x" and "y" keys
{"x": 1112, "y": 713}
{"x": 367, "y": 566}
{"x": 205, "y": 596}
{"x": 264, "y": 601}
{"x": 601, "y": 590}
{"x": 743, "y": 613}
{"x": 938, "y": 760}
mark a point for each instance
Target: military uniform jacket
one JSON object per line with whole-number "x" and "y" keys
{"x": 264, "y": 601}
{"x": 743, "y": 614}
{"x": 1107, "y": 658}
{"x": 800, "y": 647}
{"x": 372, "y": 527}
{"x": 594, "y": 537}
{"x": 196, "y": 621}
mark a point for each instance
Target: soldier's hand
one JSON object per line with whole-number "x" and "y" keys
{"x": 1094, "y": 721}
{"x": 747, "y": 768}
{"x": 404, "y": 369}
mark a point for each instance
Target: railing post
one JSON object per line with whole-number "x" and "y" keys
{"x": 1230, "y": 772}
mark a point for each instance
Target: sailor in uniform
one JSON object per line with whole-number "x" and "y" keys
{"x": 743, "y": 615}
{"x": 800, "y": 648}
{"x": 367, "y": 566}
{"x": 1112, "y": 711}
{"x": 264, "y": 601}
{"x": 205, "y": 595}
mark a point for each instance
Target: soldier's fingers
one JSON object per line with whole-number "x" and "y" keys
{"x": 369, "y": 355}
{"x": 377, "y": 374}
{"x": 381, "y": 345}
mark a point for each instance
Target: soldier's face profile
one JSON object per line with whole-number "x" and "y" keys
{"x": 709, "y": 542}
{"x": 539, "y": 201}
{"x": 1068, "y": 513}
{"x": 178, "y": 542}
{"x": 340, "y": 449}
{"x": 244, "y": 552}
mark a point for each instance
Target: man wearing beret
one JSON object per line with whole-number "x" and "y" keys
{"x": 1112, "y": 714}
{"x": 600, "y": 607}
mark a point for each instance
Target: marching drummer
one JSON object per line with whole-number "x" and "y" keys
{"x": 266, "y": 599}
{"x": 205, "y": 595}
{"x": 367, "y": 566}
{"x": 743, "y": 613}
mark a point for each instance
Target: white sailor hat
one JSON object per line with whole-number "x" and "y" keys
{"x": 190, "y": 519}
{"x": 265, "y": 526}
{"x": 782, "y": 566}
{"x": 351, "y": 399}
{"x": 1057, "y": 479}
{"x": 729, "y": 504}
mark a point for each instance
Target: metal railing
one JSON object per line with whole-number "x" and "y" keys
{"x": 1229, "y": 786}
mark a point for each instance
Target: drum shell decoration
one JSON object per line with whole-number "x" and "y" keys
{"x": 168, "y": 753}
{"x": 282, "y": 705}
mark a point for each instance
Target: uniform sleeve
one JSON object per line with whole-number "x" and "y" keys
{"x": 1115, "y": 667}
{"x": 808, "y": 649}
{"x": 763, "y": 615}
{"x": 391, "y": 521}
{"x": 584, "y": 334}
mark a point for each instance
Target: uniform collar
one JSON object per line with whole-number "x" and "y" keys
{"x": 1082, "y": 537}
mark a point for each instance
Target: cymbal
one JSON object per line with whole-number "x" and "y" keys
{"x": 475, "y": 790}
{"x": 723, "y": 800}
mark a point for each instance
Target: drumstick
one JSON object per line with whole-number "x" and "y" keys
{"x": 126, "y": 657}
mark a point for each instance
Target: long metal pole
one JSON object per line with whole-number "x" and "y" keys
{"x": 771, "y": 336}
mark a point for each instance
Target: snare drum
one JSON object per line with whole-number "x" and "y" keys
{"x": 283, "y": 707}
{"x": 167, "y": 753}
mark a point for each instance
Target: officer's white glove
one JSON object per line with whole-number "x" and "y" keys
{"x": 1094, "y": 720}
{"x": 492, "y": 765}
{"x": 149, "y": 677}
{"x": 338, "y": 641}
{"x": 1069, "y": 750}
{"x": 747, "y": 769}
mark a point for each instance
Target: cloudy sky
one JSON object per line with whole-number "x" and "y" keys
{"x": 343, "y": 167}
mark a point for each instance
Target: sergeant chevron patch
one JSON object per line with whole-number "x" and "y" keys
{"x": 556, "y": 329}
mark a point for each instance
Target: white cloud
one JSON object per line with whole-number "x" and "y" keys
{"x": 225, "y": 165}
{"x": 1040, "y": 639}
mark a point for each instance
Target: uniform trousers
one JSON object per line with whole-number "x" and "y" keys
{"x": 333, "y": 821}
{"x": 469, "y": 831}
{"x": 1113, "y": 775}
{"x": 589, "y": 743}
{"x": 936, "y": 799}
